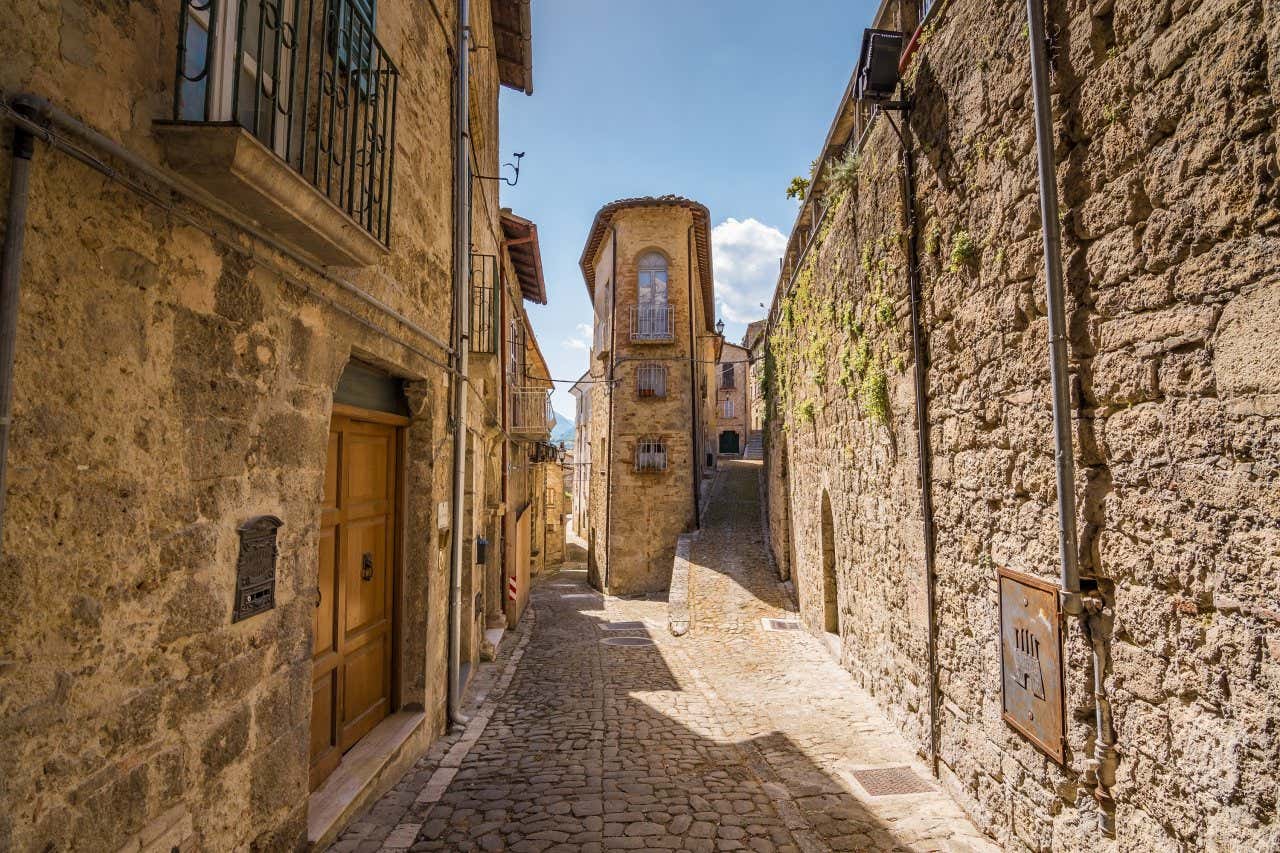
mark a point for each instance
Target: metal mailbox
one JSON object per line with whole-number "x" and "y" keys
{"x": 1031, "y": 661}
{"x": 256, "y": 567}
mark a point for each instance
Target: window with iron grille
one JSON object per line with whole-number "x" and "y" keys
{"x": 651, "y": 380}
{"x": 310, "y": 80}
{"x": 651, "y": 454}
{"x": 726, "y": 376}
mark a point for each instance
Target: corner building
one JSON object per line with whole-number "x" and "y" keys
{"x": 647, "y": 266}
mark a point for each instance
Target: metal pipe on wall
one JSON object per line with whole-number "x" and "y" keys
{"x": 461, "y": 347}
{"x": 1101, "y": 768}
{"x": 10, "y": 293}
{"x": 695, "y": 445}
{"x": 924, "y": 451}
{"x": 1068, "y": 546}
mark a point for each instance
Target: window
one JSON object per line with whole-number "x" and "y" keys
{"x": 515, "y": 353}
{"x": 651, "y": 286}
{"x": 602, "y": 333}
{"x": 726, "y": 376}
{"x": 651, "y": 455}
{"x": 652, "y": 317}
{"x": 651, "y": 380}
{"x": 726, "y": 408}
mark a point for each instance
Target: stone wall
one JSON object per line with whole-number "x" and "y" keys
{"x": 1167, "y": 146}
{"x": 168, "y": 386}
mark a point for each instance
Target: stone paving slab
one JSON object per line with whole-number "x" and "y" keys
{"x": 728, "y": 738}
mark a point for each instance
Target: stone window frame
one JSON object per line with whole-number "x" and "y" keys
{"x": 656, "y": 375}
{"x": 651, "y": 455}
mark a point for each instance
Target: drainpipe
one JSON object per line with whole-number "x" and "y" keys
{"x": 693, "y": 396}
{"x": 10, "y": 288}
{"x": 1100, "y": 771}
{"x": 608, "y": 448}
{"x": 924, "y": 451}
{"x": 462, "y": 346}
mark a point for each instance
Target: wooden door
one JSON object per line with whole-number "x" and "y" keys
{"x": 351, "y": 661}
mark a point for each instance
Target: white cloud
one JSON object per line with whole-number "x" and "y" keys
{"x": 583, "y": 339}
{"x": 744, "y": 256}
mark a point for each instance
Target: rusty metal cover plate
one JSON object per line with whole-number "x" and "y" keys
{"x": 891, "y": 781}
{"x": 256, "y": 567}
{"x": 1031, "y": 660}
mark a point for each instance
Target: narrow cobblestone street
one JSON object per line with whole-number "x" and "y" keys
{"x": 595, "y": 730}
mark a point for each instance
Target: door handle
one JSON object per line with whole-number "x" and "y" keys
{"x": 366, "y": 566}
{"x": 318, "y": 594}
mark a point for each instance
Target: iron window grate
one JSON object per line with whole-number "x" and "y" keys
{"x": 651, "y": 380}
{"x": 651, "y": 455}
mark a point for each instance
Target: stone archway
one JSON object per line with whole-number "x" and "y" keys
{"x": 830, "y": 597}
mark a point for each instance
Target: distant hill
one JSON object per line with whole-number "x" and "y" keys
{"x": 563, "y": 430}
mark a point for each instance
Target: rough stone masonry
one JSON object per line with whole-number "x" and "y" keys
{"x": 1166, "y": 133}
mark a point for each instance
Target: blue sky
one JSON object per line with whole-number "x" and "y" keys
{"x": 716, "y": 100}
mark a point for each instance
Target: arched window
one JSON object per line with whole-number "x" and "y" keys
{"x": 651, "y": 285}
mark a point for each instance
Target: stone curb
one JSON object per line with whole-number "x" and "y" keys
{"x": 678, "y": 597}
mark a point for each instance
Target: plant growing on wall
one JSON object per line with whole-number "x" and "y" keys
{"x": 874, "y": 394}
{"x": 844, "y": 171}
{"x": 963, "y": 251}
{"x": 798, "y": 188}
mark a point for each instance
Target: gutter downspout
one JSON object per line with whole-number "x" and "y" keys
{"x": 696, "y": 445}
{"x": 1100, "y": 770}
{"x": 461, "y": 345}
{"x": 608, "y": 449}
{"x": 10, "y": 293}
{"x": 924, "y": 450}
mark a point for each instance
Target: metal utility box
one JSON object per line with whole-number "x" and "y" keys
{"x": 1031, "y": 660}
{"x": 482, "y": 550}
{"x": 878, "y": 65}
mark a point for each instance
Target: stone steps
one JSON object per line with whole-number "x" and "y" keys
{"x": 755, "y": 445}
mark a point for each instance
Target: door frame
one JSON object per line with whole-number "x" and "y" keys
{"x": 399, "y": 464}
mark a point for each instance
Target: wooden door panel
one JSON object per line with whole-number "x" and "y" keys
{"x": 368, "y": 486}
{"x": 325, "y": 753}
{"x": 326, "y": 610}
{"x": 351, "y": 660}
{"x": 365, "y": 576}
{"x": 365, "y": 689}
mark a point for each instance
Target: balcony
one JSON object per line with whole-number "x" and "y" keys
{"x": 652, "y": 323}
{"x": 531, "y": 411}
{"x": 286, "y": 111}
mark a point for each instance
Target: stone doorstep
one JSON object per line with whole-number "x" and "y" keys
{"x": 375, "y": 763}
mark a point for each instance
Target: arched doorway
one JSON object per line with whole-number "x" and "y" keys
{"x": 830, "y": 605}
{"x": 729, "y": 442}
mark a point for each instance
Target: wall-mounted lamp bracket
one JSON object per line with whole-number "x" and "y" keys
{"x": 511, "y": 182}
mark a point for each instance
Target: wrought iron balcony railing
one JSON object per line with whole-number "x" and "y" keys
{"x": 531, "y": 410}
{"x": 309, "y": 79}
{"x": 486, "y": 304}
{"x": 652, "y": 323}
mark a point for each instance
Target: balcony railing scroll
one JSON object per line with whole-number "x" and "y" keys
{"x": 310, "y": 80}
{"x": 531, "y": 411}
{"x": 652, "y": 323}
{"x": 485, "y": 304}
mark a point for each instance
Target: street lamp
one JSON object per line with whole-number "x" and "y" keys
{"x": 720, "y": 328}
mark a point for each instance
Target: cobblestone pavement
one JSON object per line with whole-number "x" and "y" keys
{"x": 597, "y": 730}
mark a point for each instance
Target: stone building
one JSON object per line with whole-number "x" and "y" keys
{"x": 753, "y": 342}
{"x": 581, "y": 474}
{"x": 229, "y": 527}
{"x": 1165, "y": 139}
{"x": 733, "y": 401}
{"x": 647, "y": 267}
